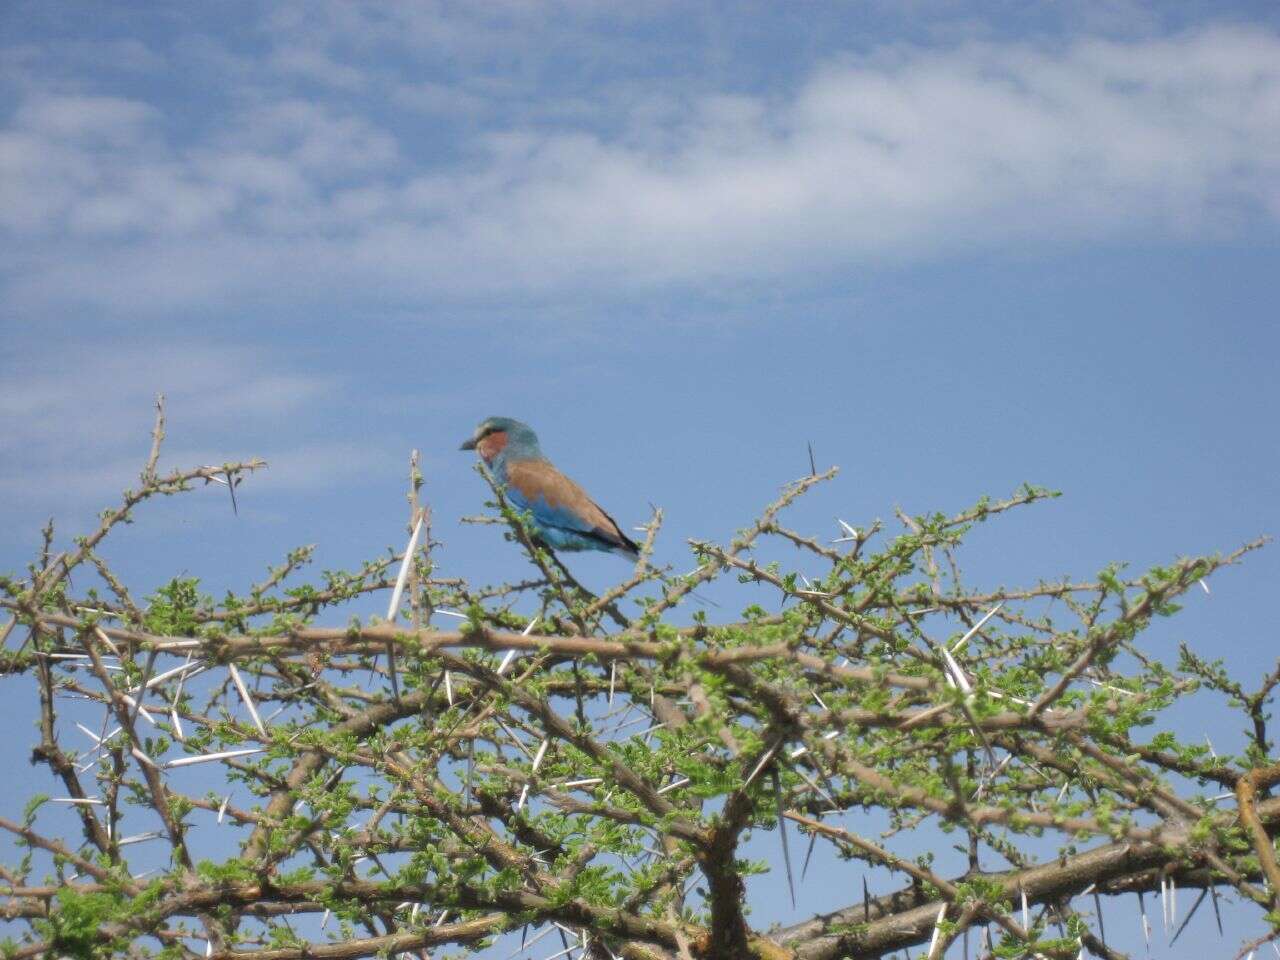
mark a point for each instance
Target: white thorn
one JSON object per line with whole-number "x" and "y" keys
{"x": 511, "y": 654}
{"x": 142, "y": 711}
{"x": 247, "y": 699}
{"x": 180, "y": 671}
{"x": 97, "y": 741}
{"x": 212, "y": 757}
{"x": 138, "y": 838}
{"x": 529, "y": 943}
{"x": 102, "y": 635}
{"x": 542, "y": 752}
{"x": 567, "y": 950}
{"x": 645, "y": 733}
{"x": 760, "y": 766}
{"x": 673, "y": 784}
{"x": 178, "y": 644}
{"x": 405, "y": 564}
{"x": 955, "y": 648}
{"x": 954, "y": 668}
{"x": 143, "y": 758}
{"x": 937, "y": 930}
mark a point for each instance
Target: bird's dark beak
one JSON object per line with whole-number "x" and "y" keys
{"x": 468, "y": 445}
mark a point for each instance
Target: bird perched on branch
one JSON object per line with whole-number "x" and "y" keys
{"x": 564, "y": 517}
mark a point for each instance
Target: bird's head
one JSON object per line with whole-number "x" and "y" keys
{"x": 497, "y": 435}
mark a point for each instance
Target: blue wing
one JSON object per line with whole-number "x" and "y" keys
{"x": 567, "y": 519}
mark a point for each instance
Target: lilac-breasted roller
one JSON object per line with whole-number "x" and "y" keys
{"x": 564, "y": 517}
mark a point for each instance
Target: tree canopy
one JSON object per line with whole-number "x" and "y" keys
{"x": 266, "y": 776}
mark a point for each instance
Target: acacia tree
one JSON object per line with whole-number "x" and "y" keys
{"x": 584, "y": 777}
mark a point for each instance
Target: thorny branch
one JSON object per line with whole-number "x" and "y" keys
{"x": 530, "y": 760}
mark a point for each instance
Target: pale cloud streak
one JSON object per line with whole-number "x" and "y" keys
{"x": 77, "y": 425}
{"x": 899, "y": 154}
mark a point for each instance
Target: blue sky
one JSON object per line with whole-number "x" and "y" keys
{"x": 955, "y": 245}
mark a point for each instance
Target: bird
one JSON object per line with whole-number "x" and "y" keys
{"x": 564, "y": 517}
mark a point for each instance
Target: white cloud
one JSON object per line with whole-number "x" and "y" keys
{"x": 77, "y": 424}
{"x": 431, "y": 97}
{"x": 83, "y": 478}
{"x": 902, "y": 153}
{"x": 326, "y": 464}
{"x": 84, "y": 118}
{"x": 70, "y": 57}
{"x": 318, "y": 140}
{"x": 316, "y": 65}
